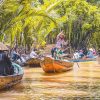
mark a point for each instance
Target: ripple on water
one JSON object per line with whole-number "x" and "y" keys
{"x": 79, "y": 84}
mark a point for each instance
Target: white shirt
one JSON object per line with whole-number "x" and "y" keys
{"x": 76, "y": 55}
{"x": 33, "y": 54}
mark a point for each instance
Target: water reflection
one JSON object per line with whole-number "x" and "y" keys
{"x": 82, "y": 83}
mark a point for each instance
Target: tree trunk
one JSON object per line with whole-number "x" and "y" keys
{"x": 41, "y": 1}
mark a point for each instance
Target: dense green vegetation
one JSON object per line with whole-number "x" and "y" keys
{"x": 25, "y": 22}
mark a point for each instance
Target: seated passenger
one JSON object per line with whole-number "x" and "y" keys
{"x": 90, "y": 53}
{"x": 58, "y": 54}
{"x": 6, "y": 67}
{"x": 33, "y": 54}
{"x": 53, "y": 51}
{"x": 94, "y": 52}
{"x": 81, "y": 54}
{"x": 76, "y": 55}
{"x": 15, "y": 55}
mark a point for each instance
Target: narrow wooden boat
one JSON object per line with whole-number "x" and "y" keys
{"x": 10, "y": 80}
{"x": 83, "y": 60}
{"x": 51, "y": 66}
{"x": 33, "y": 62}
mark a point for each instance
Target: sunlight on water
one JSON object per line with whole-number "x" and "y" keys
{"x": 81, "y": 83}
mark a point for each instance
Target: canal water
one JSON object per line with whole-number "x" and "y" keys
{"x": 81, "y": 83}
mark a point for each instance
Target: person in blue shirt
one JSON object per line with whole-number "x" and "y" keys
{"x": 90, "y": 53}
{"x": 15, "y": 55}
{"x": 81, "y": 54}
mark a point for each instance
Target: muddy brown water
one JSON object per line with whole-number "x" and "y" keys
{"x": 81, "y": 83}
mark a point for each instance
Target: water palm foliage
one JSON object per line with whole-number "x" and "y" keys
{"x": 26, "y": 21}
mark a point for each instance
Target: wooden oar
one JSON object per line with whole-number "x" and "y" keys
{"x": 77, "y": 64}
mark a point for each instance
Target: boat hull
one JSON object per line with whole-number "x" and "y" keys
{"x": 82, "y": 60}
{"x": 10, "y": 80}
{"x": 55, "y": 66}
{"x": 33, "y": 62}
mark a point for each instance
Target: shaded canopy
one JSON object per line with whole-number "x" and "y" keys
{"x": 3, "y": 47}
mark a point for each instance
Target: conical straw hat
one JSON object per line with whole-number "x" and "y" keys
{"x": 3, "y": 47}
